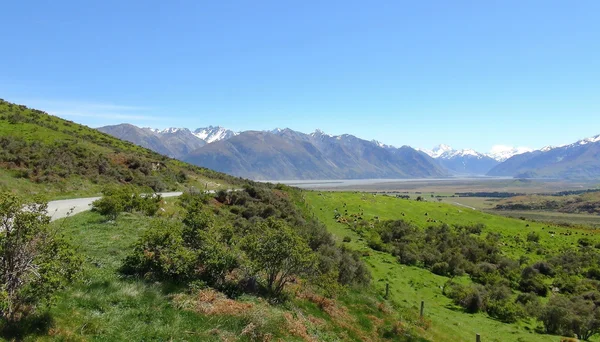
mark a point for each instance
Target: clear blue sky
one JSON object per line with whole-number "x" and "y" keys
{"x": 466, "y": 73}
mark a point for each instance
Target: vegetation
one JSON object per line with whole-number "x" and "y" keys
{"x": 40, "y": 153}
{"x": 35, "y": 260}
{"x": 487, "y": 265}
{"x": 126, "y": 199}
{"x": 187, "y": 274}
{"x": 587, "y": 202}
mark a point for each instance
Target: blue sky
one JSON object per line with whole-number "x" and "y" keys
{"x": 465, "y": 73}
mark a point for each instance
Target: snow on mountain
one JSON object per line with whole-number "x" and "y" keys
{"x": 461, "y": 153}
{"x": 214, "y": 133}
{"x": 319, "y": 132}
{"x": 382, "y": 145}
{"x": 586, "y": 141}
{"x": 171, "y": 130}
{"x": 437, "y": 151}
{"x": 502, "y": 152}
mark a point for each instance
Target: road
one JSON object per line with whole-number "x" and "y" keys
{"x": 62, "y": 208}
{"x": 464, "y": 205}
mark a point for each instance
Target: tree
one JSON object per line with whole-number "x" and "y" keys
{"x": 277, "y": 253}
{"x": 35, "y": 261}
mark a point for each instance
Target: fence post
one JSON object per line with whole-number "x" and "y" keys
{"x": 387, "y": 290}
{"x": 478, "y": 338}
{"x": 422, "y": 307}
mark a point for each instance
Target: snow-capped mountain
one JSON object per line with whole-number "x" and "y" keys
{"x": 502, "y": 152}
{"x": 461, "y": 162}
{"x": 437, "y": 151}
{"x": 172, "y": 142}
{"x": 579, "y": 160}
{"x": 214, "y": 133}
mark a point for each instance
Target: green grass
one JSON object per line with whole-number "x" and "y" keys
{"x": 107, "y": 307}
{"x": 44, "y": 154}
{"x": 410, "y": 285}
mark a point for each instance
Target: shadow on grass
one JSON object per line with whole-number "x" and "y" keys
{"x": 36, "y": 325}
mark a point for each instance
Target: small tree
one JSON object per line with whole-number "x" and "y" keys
{"x": 35, "y": 261}
{"x": 277, "y": 253}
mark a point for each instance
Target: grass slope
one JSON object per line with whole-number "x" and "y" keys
{"x": 107, "y": 306}
{"x": 410, "y": 285}
{"x": 44, "y": 154}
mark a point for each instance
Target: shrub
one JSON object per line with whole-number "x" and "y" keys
{"x": 533, "y": 237}
{"x": 276, "y": 253}
{"x": 441, "y": 268}
{"x": 347, "y": 239}
{"x": 35, "y": 259}
{"x": 116, "y": 200}
{"x": 505, "y": 310}
{"x": 161, "y": 254}
{"x": 471, "y": 297}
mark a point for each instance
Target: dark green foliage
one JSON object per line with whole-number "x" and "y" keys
{"x": 35, "y": 260}
{"x": 533, "y": 281}
{"x": 533, "y": 237}
{"x": 576, "y": 315}
{"x": 276, "y": 254}
{"x": 120, "y": 199}
{"x": 257, "y": 243}
{"x": 473, "y": 298}
{"x": 445, "y": 250}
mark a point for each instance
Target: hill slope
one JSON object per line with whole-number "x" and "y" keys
{"x": 41, "y": 153}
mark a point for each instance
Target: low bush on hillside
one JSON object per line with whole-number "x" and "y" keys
{"x": 35, "y": 260}
{"x": 571, "y": 274}
{"x": 118, "y": 199}
{"x": 251, "y": 241}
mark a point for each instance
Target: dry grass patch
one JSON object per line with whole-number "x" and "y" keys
{"x": 211, "y": 302}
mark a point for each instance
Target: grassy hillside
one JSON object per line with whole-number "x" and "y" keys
{"x": 43, "y": 154}
{"x": 108, "y": 303}
{"x": 411, "y": 284}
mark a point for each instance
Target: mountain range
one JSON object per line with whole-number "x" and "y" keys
{"x": 287, "y": 154}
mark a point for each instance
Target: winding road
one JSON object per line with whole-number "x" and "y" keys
{"x": 64, "y": 208}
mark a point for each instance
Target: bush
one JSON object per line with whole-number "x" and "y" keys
{"x": 533, "y": 237}
{"x": 470, "y": 297}
{"x": 162, "y": 254}
{"x": 116, "y": 200}
{"x": 276, "y": 254}
{"x": 505, "y": 310}
{"x": 347, "y": 239}
{"x": 36, "y": 260}
{"x": 441, "y": 268}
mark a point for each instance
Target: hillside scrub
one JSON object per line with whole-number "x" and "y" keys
{"x": 252, "y": 241}
{"x": 35, "y": 260}
{"x": 454, "y": 251}
{"x": 46, "y": 150}
{"x": 118, "y": 199}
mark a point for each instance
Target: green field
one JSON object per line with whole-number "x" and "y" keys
{"x": 410, "y": 285}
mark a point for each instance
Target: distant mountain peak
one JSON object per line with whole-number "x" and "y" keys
{"x": 380, "y": 144}
{"x": 437, "y": 151}
{"x": 586, "y": 141}
{"x": 502, "y": 152}
{"x": 214, "y": 133}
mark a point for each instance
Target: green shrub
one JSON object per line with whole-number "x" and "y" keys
{"x": 533, "y": 237}
{"x": 276, "y": 253}
{"x": 36, "y": 260}
{"x": 116, "y": 200}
